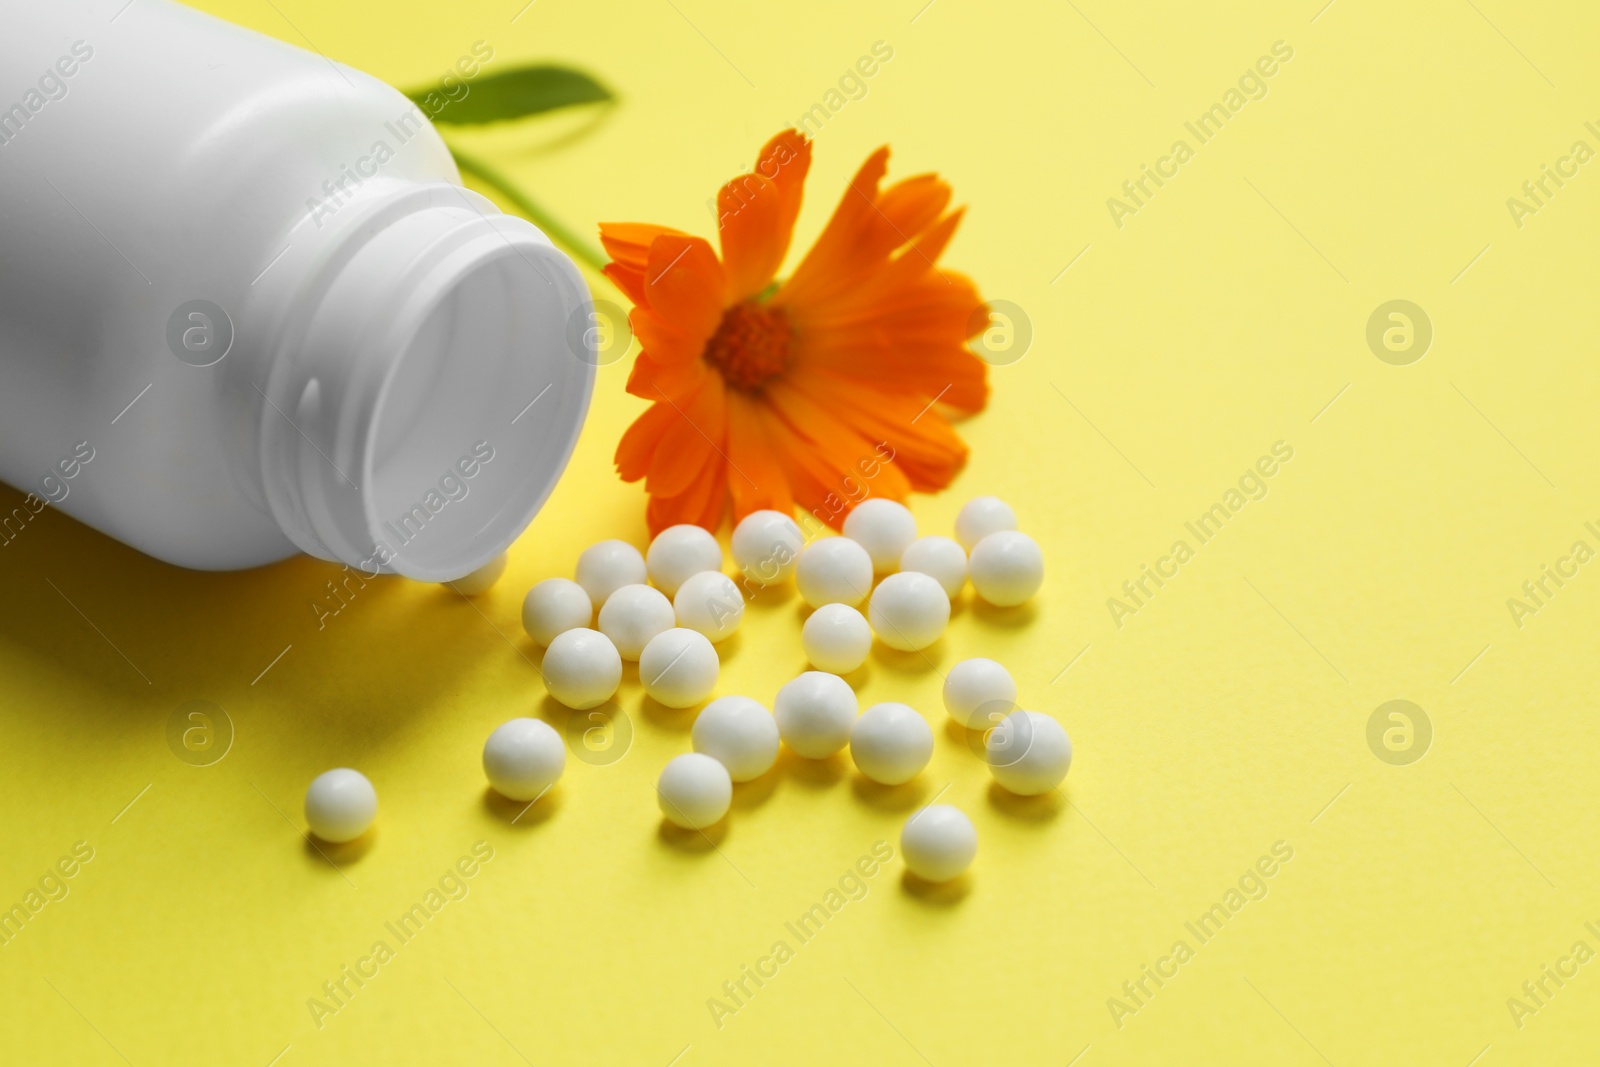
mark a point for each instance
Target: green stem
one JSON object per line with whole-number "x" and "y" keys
{"x": 553, "y": 228}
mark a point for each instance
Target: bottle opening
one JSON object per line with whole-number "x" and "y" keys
{"x": 478, "y": 415}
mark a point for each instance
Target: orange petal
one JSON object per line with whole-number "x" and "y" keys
{"x": 689, "y": 443}
{"x": 684, "y": 285}
{"x": 756, "y": 213}
{"x": 629, "y": 279}
{"x": 629, "y": 242}
{"x": 650, "y": 380}
{"x": 702, "y": 504}
{"x": 836, "y": 245}
{"x": 640, "y": 441}
{"x": 756, "y": 480}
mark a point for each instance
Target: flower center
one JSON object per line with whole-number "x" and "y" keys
{"x": 751, "y": 345}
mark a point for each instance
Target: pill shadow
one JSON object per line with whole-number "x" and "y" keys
{"x": 910, "y": 664}
{"x": 768, "y": 597}
{"x": 692, "y": 842}
{"x": 677, "y": 720}
{"x": 748, "y": 796}
{"x": 333, "y": 857}
{"x": 813, "y": 774}
{"x": 937, "y": 894}
{"x": 1007, "y": 618}
{"x": 1037, "y": 809}
{"x": 519, "y": 814}
{"x": 893, "y": 798}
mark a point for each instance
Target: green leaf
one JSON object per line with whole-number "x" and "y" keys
{"x": 510, "y": 94}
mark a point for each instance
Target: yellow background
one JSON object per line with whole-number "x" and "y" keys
{"x": 1228, "y": 714}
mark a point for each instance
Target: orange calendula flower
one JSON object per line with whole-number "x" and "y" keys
{"x": 819, "y": 390}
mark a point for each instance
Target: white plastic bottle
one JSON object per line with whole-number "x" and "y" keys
{"x": 247, "y": 308}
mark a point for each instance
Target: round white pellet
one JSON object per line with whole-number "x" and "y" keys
{"x": 554, "y": 606}
{"x": 836, "y": 638}
{"x": 694, "y": 791}
{"x": 941, "y": 559}
{"x": 891, "y": 743}
{"x": 815, "y": 712}
{"x": 634, "y": 614}
{"x": 679, "y": 668}
{"x": 909, "y": 611}
{"x": 979, "y": 692}
{"x": 340, "y": 805}
{"x": 608, "y": 566}
{"x": 1007, "y": 568}
{"x": 679, "y": 551}
{"x": 982, "y": 516}
{"x": 884, "y": 528}
{"x": 740, "y": 734}
{"x": 938, "y": 843}
{"x": 480, "y": 580}
{"x": 582, "y": 668}
{"x": 1028, "y": 753}
{"x": 765, "y": 546}
{"x": 835, "y": 570}
{"x": 710, "y": 603}
{"x": 523, "y": 758}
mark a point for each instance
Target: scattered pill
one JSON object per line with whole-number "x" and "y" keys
{"x": 982, "y": 516}
{"x": 765, "y": 546}
{"x": 679, "y": 551}
{"x": 884, "y": 528}
{"x": 891, "y": 743}
{"x": 941, "y": 559}
{"x": 523, "y": 758}
{"x": 679, "y": 667}
{"x": 340, "y": 805}
{"x": 709, "y": 602}
{"x": 694, "y": 791}
{"x": 815, "y": 712}
{"x": 1028, "y": 753}
{"x": 481, "y": 579}
{"x": 909, "y": 611}
{"x": 836, "y": 638}
{"x": 634, "y": 614}
{"x": 554, "y": 606}
{"x": 836, "y": 570}
{"x": 1006, "y": 568}
{"x": 938, "y": 843}
{"x": 979, "y": 692}
{"x": 582, "y": 668}
{"x": 608, "y": 566}
{"x": 738, "y": 733}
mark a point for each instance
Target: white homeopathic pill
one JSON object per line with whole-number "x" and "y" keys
{"x": 679, "y": 667}
{"x": 884, "y": 528}
{"x": 982, "y": 516}
{"x": 836, "y": 638}
{"x": 815, "y": 712}
{"x": 523, "y": 758}
{"x": 765, "y": 546}
{"x": 938, "y": 843}
{"x": 738, "y": 733}
{"x": 836, "y": 570}
{"x": 608, "y": 566}
{"x": 941, "y": 559}
{"x": 1028, "y": 753}
{"x": 694, "y": 791}
{"x": 891, "y": 743}
{"x": 909, "y": 611}
{"x": 582, "y": 668}
{"x": 634, "y": 614}
{"x": 979, "y": 692}
{"x": 480, "y": 580}
{"x": 679, "y": 551}
{"x": 554, "y": 606}
{"x": 1006, "y": 568}
{"x": 709, "y": 602}
{"x": 340, "y": 805}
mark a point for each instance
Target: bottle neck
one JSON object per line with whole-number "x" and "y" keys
{"x": 427, "y": 384}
